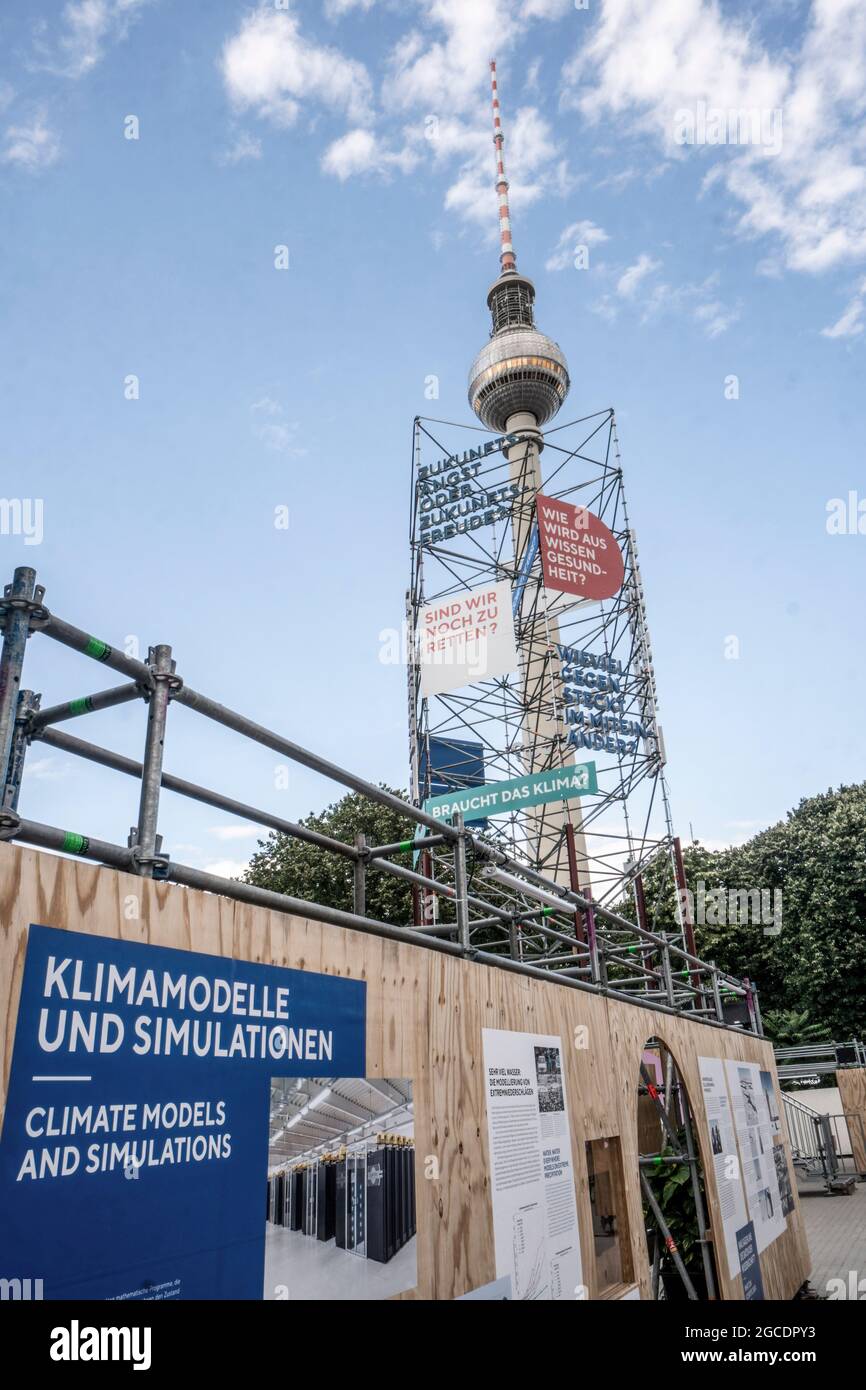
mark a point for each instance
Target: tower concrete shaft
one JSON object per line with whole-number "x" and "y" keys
{"x": 517, "y": 383}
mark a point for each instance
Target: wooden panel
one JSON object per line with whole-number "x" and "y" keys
{"x": 425, "y": 1013}
{"x": 852, "y": 1091}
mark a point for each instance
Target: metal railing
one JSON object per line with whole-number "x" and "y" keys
{"x": 500, "y": 911}
{"x": 821, "y": 1144}
{"x": 805, "y": 1060}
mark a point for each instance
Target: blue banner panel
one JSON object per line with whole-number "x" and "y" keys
{"x": 135, "y": 1145}
{"x": 453, "y": 763}
{"x": 750, "y": 1264}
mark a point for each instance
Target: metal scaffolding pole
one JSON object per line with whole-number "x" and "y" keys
{"x": 230, "y": 719}
{"x": 67, "y": 743}
{"x": 608, "y": 934}
{"x": 148, "y": 862}
{"x": 85, "y": 704}
{"x": 18, "y": 601}
{"x": 669, "y": 1241}
{"x": 461, "y": 897}
{"x": 28, "y": 701}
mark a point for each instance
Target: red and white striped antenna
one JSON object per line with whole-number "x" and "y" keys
{"x": 507, "y": 259}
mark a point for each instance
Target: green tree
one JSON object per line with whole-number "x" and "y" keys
{"x": 291, "y": 866}
{"x": 816, "y": 857}
{"x": 785, "y": 1027}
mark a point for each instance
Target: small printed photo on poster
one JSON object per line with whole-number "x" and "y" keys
{"x": 716, "y": 1139}
{"x": 750, "y": 1100}
{"x": 548, "y": 1072}
{"x": 772, "y": 1109}
{"x": 340, "y": 1195}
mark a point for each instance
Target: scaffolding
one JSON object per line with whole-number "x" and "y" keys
{"x": 500, "y": 911}
{"x": 585, "y": 685}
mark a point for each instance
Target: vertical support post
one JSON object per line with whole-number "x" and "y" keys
{"x": 19, "y": 595}
{"x": 597, "y": 965}
{"x": 28, "y": 703}
{"x": 461, "y": 899}
{"x": 717, "y": 993}
{"x": 759, "y": 1023}
{"x": 574, "y": 876}
{"x": 513, "y": 940}
{"x": 647, "y": 955}
{"x": 669, "y": 979}
{"x": 161, "y": 669}
{"x": 668, "y": 1239}
{"x": 686, "y": 911}
{"x": 640, "y": 902}
{"x": 359, "y": 895}
{"x": 700, "y": 1211}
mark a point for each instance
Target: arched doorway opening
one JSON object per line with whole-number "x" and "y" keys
{"x": 672, "y": 1182}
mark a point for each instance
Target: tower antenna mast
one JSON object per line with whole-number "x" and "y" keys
{"x": 507, "y": 258}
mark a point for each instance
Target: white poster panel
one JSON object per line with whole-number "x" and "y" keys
{"x": 535, "y": 1229}
{"x": 726, "y": 1160}
{"x": 466, "y": 638}
{"x": 754, "y": 1132}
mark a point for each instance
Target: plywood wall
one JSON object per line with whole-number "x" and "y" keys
{"x": 852, "y": 1091}
{"x": 425, "y": 1012}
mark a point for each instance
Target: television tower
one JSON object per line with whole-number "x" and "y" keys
{"x": 517, "y": 383}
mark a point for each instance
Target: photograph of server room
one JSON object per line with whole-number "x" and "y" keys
{"x": 340, "y": 1197}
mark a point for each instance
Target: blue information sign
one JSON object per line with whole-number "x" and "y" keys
{"x": 135, "y": 1144}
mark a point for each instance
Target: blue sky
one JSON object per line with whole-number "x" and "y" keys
{"x": 356, "y": 134}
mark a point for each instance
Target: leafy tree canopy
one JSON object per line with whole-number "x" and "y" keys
{"x": 815, "y": 967}
{"x": 291, "y": 866}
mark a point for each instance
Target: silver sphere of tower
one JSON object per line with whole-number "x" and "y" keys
{"x": 520, "y": 370}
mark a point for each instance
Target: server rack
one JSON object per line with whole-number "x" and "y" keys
{"x": 326, "y": 1200}
{"x": 390, "y": 1223}
{"x": 341, "y": 1223}
{"x": 296, "y": 1200}
{"x": 357, "y": 1198}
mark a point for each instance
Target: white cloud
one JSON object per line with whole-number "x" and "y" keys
{"x": 48, "y": 769}
{"x": 335, "y": 9}
{"x": 639, "y": 289}
{"x": 535, "y": 169}
{"x": 227, "y": 868}
{"x": 244, "y": 146}
{"x": 235, "y": 832}
{"x": 32, "y": 146}
{"x": 715, "y": 318}
{"x": 274, "y": 431}
{"x": 850, "y": 322}
{"x": 575, "y": 235}
{"x": 446, "y": 72}
{"x": 627, "y": 284}
{"x": 647, "y": 63}
{"x": 86, "y": 29}
{"x": 361, "y": 152}
{"x": 269, "y": 66}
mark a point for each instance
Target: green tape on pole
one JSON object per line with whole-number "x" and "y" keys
{"x": 407, "y": 844}
{"x": 81, "y": 705}
{"x": 100, "y": 650}
{"x": 74, "y": 843}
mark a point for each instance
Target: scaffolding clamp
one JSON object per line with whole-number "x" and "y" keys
{"x": 38, "y": 613}
{"x": 157, "y": 863}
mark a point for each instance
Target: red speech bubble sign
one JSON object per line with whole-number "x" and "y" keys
{"x": 579, "y": 554}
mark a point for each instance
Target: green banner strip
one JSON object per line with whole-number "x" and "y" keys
{"x": 501, "y": 798}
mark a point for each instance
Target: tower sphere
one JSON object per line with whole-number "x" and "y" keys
{"x": 519, "y": 370}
